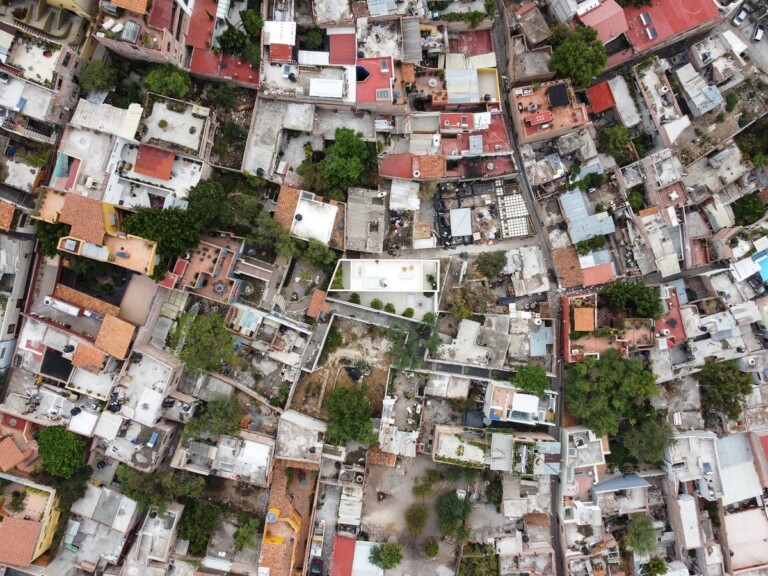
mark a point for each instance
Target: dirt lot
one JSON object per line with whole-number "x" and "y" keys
{"x": 386, "y": 518}
{"x": 361, "y": 342}
{"x": 237, "y": 495}
{"x": 233, "y": 126}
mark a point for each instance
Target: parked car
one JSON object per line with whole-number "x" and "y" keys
{"x": 740, "y": 17}
{"x": 316, "y": 567}
{"x": 757, "y": 35}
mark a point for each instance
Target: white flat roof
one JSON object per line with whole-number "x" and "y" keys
{"x": 279, "y": 33}
{"x": 385, "y": 276}
{"x": 317, "y": 219}
{"x": 326, "y": 88}
{"x": 525, "y": 403}
{"x": 108, "y": 425}
{"x": 747, "y": 533}
{"x": 689, "y": 517}
{"x": 83, "y": 423}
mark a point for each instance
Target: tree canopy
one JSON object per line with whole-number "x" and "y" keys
{"x": 643, "y": 301}
{"x": 246, "y": 532}
{"x": 416, "y": 518}
{"x": 601, "y": 392}
{"x": 532, "y": 379}
{"x": 207, "y": 344}
{"x": 748, "y": 210}
{"x": 156, "y": 489}
{"x": 640, "y": 534}
{"x": 490, "y": 264}
{"x": 313, "y": 39}
{"x": 386, "y": 555}
{"x": 580, "y": 56}
{"x": 646, "y": 440}
{"x": 349, "y": 416}
{"x": 218, "y": 417}
{"x": 197, "y": 524}
{"x": 253, "y": 22}
{"x": 48, "y": 236}
{"x": 62, "y": 451}
{"x": 173, "y": 229}
{"x": 318, "y": 254}
{"x": 723, "y": 388}
{"x": 232, "y": 40}
{"x": 224, "y": 95}
{"x": 168, "y": 80}
{"x": 208, "y": 206}
{"x": 613, "y": 140}
{"x": 452, "y": 513}
{"x": 656, "y": 567}
{"x": 98, "y": 76}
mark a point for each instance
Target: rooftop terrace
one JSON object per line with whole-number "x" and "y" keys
{"x": 548, "y": 108}
{"x": 177, "y": 131}
{"x": 388, "y": 275}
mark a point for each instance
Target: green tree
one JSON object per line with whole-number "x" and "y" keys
{"x": 386, "y": 556}
{"x": 207, "y": 206}
{"x": 168, "y": 80}
{"x": 341, "y": 173}
{"x": 646, "y": 440}
{"x": 636, "y": 197}
{"x": 643, "y": 301}
{"x": 723, "y": 388}
{"x": 232, "y": 40}
{"x": 318, "y": 254}
{"x": 532, "y": 379}
{"x": 416, "y": 518}
{"x": 347, "y": 163}
{"x": 641, "y": 535}
{"x": 599, "y": 393}
{"x": 479, "y": 560}
{"x": 491, "y": 264}
{"x": 48, "y": 236}
{"x": 349, "y": 416}
{"x": 208, "y": 344}
{"x": 197, "y": 524}
{"x": 333, "y": 341}
{"x": 252, "y": 53}
{"x": 313, "y": 39}
{"x": 62, "y": 451}
{"x": 224, "y": 95}
{"x": 17, "y": 500}
{"x": 98, "y": 77}
{"x": 173, "y": 229}
{"x": 431, "y": 548}
{"x": 452, "y": 513}
{"x": 580, "y": 56}
{"x": 656, "y": 567}
{"x": 559, "y": 34}
{"x": 748, "y": 210}
{"x": 218, "y": 417}
{"x": 246, "y": 532}
{"x": 613, "y": 140}
{"x": 253, "y": 22}
{"x": 155, "y": 490}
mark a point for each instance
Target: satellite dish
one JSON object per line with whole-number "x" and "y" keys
{"x": 298, "y": 217}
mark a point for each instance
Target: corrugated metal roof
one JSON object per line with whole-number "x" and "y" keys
{"x": 313, "y": 58}
{"x": 462, "y": 86}
{"x": 411, "y": 34}
{"x": 404, "y": 195}
{"x": 539, "y": 341}
{"x": 378, "y": 7}
{"x": 737, "y": 469}
{"x": 130, "y": 32}
{"x": 628, "y": 482}
{"x": 326, "y": 88}
{"x": 574, "y": 205}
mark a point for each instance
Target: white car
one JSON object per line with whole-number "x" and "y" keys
{"x": 461, "y": 494}
{"x": 739, "y": 19}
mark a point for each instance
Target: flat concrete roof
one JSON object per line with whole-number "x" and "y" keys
{"x": 388, "y": 275}
{"x": 317, "y": 220}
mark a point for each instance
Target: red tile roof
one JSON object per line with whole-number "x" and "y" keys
{"x": 88, "y": 358}
{"x": 342, "y": 556}
{"x": 85, "y": 217}
{"x": 6, "y": 215}
{"x": 10, "y": 455}
{"x": 201, "y": 24}
{"x": 381, "y": 72}
{"x": 204, "y": 62}
{"x": 343, "y": 48}
{"x": 429, "y": 166}
{"x": 608, "y": 19}
{"x": 598, "y": 274}
{"x": 669, "y": 18}
{"x": 285, "y": 209}
{"x": 600, "y": 97}
{"x": 317, "y": 304}
{"x": 237, "y": 69}
{"x": 396, "y": 166}
{"x": 18, "y": 539}
{"x": 135, "y": 6}
{"x": 160, "y": 15}
{"x": 764, "y": 442}
{"x": 154, "y": 162}
{"x": 280, "y": 53}
{"x": 115, "y": 337}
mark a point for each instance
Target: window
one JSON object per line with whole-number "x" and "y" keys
{"x": 385, "y": 65}
{"x": 383, "y": 94}
{"x": 11, "y": 328}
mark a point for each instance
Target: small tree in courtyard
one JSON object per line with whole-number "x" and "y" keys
{"x": 349, "y": 416}
{"x": 207, "y": 345}
{"x": 491, "y": 264}
{"x": 98, "y": 77}
{"x": 723, "y": 388}
{"x": 61, "y": 451}
{"x": 641, "y": 535}
{"x": 532, "y": 379}
{"x": 386, "y": 556}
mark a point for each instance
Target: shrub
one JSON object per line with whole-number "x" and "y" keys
{"x": 720, "y": 117}
{"x": 730, "y": 102}
{"x": 354, "y": 298}
{"x": 162, "y": 123}
{"x": 408, "y": 312}
{"x": 377, "y": 304}
{"x": 416, "y": 518}
{"x": 389, "y": 307}
{"x": 431, "y": 548}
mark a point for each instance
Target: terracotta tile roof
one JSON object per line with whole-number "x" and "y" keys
{"x": 135, "y": 6}
{"x": 285, "y": 209}
{"x": 409, "y": 72}
{"x": 342, "y": 556}
{"x": 378, "y": 457}
{"x": 598, "y": 274}
{"x": 6, "y": 215}
{"x": 83, "y": 300}
{"x": 649, "y": 211}
{"x": 115, "y": 337}
{"x": 85, "y": 217}
{"x": 536, "y": 519}
{"x": 160, "y": 15}
{"x": 317, "y": 304}
{"x": 584, "y": 319}
{"x": 10, "y": 455}
{"x": 88, "y": 358}
{"x": 280, "y": 52}
{"x": 18, "y": 539}
{"x": 343, "y": 49}
{"x": 608, "y": 19}
{"x": 431, "y": 166}
{"x": 567, "y": 267}
{"x": 396, "y": 166}
{"x": 154, "y": 162}
{"x": 600, "y": 97}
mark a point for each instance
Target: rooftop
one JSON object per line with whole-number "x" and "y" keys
{"x": 388, "y": 275}
{"x": 608, "y": 19}
{"x": 31, "y": 100}
{"x": 533, "y": 24}
{"x": 115, "y": 337}
{"x": 299, "y": 437}
{"x": 176, "y": 133}
{"x": 548, "y": 108}
{"x": 36, "y": 62}
{"x": 747, "y": 532}
{"x": 654, "y": 24}
{"x": 366, "y": 221}
{"x": 530, "y": 64}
